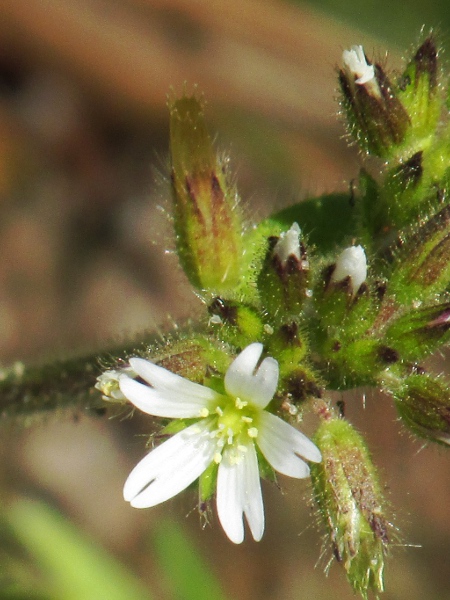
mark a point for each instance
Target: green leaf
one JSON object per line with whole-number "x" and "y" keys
{"x": 326, "y": 221}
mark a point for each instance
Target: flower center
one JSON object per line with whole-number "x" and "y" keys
{"x": 235, "y": 428}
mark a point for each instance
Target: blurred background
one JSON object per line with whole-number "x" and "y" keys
{"x": 87, "y": 258}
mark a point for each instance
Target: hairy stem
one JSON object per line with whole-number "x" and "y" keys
{"x": 30, "y": 392}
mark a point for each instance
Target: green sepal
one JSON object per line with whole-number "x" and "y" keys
{"x": 350, "y": 364}
{"x": 374, "y": 226}
{"x": 236, "y": 323}
{"x": 299, "y": 384}
{"x": 422, "y": 268}
{"x": 193, "y": 356}
{"x": 176, "y": 426}
{"x": 207, "y": 482}
{"x": 418, "y": 90}
{"x": 423, "y": 403}
{"x": 419, "y": 331}
{"x": 288, "y": 345}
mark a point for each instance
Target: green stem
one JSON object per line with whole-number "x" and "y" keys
{"x": 30, "y": 392}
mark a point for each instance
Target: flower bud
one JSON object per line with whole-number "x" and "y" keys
{"x": 350, "y": 270}
{"x": 350, "y": 502}
{"x": 423, "y": 403}
{"x": 422, "y": 265}
{"x": 420, "y": 331}
{"x": 108, "y": 384}
{"x": 376, "y": 117}
{"x": 206, "y": 217}
{"x": 284, "y": 277}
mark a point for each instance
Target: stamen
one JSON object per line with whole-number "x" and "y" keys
{"x": 230, "y": 434}
{"x": 204, "y": 412}
{"x": 219, "y": 411}
{"x": 245, "y": 419}
{"x": 252, "y": 432}
{"x": 240, "y": 404}
{"x": 217, "y": 458}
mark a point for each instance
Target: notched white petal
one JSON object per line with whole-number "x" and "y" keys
{"x": 229, "y": 499}
{"x": 355, "y": 60}
{"x": 240, "y": 373}
{"x": 165, "y": 380}
{"x": 264, "y": 384}
{"x": 170, "y": 468}
{"x": 253, "y": 502}
{"x": 239, "y": 494}
{"x": 161, "y": 403}
{"x": 282, "y": 445}
{"x": 242, "y": 381}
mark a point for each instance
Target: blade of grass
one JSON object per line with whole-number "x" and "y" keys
{"x": 190, "y": 575}
{"x": 75, "y": 567}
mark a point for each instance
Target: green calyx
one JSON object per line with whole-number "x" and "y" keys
{"x": 207, "y": 221}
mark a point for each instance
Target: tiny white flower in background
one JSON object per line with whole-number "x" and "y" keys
{"x": 355, "y": 61}
{"x": 351, "y": 263}
{"x": 288, "y": 244}
{"x": 228, "y": 429}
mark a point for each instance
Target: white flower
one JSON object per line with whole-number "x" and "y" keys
{"x": 228, "y": 429}
{"x": 355, "y": 61}
{"x": 351, "y": 263}
{"x": 288, "y": 244}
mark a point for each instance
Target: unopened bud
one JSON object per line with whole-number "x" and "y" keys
{"x": 206, "y": 217}
{"x": 108, "y": 384}
{"x": 287, "y": 248}
{"x": 356, "y": 62}
{"x": 420, "y": 331}
{"x": 350, "y": 502}
{"x": 284, "y": 277}
{"x": 423, "y": 403}
{"x": 351, "y": 268}
{"x": 423, "y": 268}
{"x": 376, "y": 117}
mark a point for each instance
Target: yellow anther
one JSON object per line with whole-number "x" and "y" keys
{"x": 245, "y": 419}
{"x": 217, "y": 458}
{"x": 252, "y": 432}
{"x": 219, "y": 411}
{"x": 204, "y": 412}
{"x": 240, "y": 404}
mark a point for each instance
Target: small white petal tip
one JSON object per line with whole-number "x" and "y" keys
{"x": 355, "y": 60}
{"x": 288, "y": 244}
{"x": 351, "y": 263}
